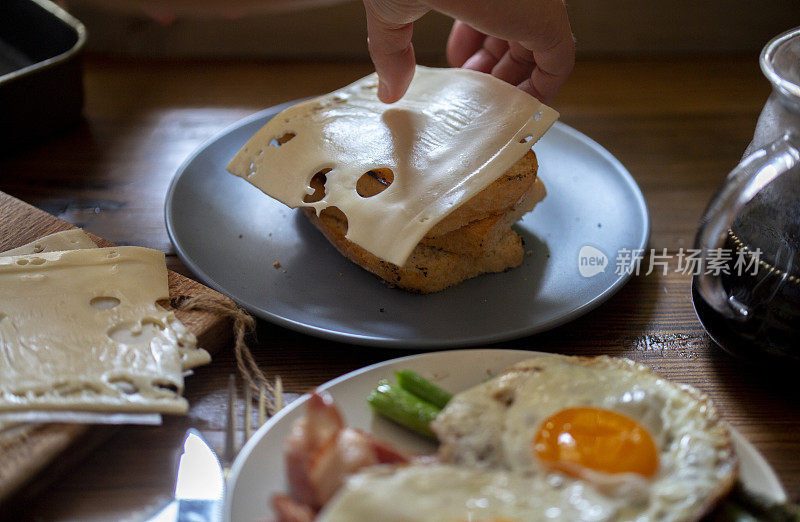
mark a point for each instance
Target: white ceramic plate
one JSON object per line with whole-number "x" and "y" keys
{"x": 258, "y": 471}
{"x": 229, "y": 234}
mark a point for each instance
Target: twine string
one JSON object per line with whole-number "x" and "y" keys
{"x": 243, "y": 324}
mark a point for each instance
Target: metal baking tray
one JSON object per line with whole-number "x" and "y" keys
{"x": 41, "y": 84}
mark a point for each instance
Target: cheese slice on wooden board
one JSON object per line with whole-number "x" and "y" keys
{"x": 452, "y": 134}
{"x": 74, "y": 239}
{"x": 82, "y": 330}
{"x": 77, "y": 239}
{"x": 35, "y": 457}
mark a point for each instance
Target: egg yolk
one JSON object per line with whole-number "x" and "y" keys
{"x": 595, "y": 439}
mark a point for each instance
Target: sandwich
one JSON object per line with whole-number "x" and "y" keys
{"x": 423, "y": 192}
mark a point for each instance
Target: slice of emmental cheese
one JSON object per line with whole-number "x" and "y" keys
{"x": 77, "y": 239}
{"x": 452, "y": 134}
{"x": 82, "y": 330}
{"x": 74, "y": 239}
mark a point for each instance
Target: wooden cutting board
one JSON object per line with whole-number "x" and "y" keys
{"x": 26, "y": 456}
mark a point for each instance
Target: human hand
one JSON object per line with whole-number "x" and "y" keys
{"x": 526, "y": 43}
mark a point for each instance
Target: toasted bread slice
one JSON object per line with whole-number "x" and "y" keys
{"x": 497, "y": 198}
{"x": 482, "y": 234}
{"x": 428, "y": 269}
{"x": 473, "y": 238}
{"x": 482, "y": 241}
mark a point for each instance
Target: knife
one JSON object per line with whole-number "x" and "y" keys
{"x": 199, "y": 487}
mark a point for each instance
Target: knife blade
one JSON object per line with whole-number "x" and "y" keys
{"x": 199, "y": 487}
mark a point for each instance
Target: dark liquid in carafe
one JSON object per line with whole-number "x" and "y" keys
{"x": 771, "y": 297}
{"x": 768, "y": 228}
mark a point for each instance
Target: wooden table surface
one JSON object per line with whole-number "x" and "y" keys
{"x": 679, "y": 125}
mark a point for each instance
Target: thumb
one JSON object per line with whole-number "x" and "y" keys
{"x": 389, "y": 41}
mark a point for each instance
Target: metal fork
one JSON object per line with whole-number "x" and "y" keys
{"x": 231, "y": 447}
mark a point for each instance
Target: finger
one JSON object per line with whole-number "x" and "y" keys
{"x": 516, "y": 65}
{"x": 463, "y": 42}
{"x": 541, "y": 27}
{"x": 551, "y": 71}
{"x": 553, "y": 51}
{"x": 487, "y": 56}
{"x": 392, "y": 53}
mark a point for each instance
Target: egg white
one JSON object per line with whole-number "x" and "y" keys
{"x": 487, "y": 469}
{"x": 491, "y": 426}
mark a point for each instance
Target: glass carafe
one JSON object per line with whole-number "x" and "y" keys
{"x": 750, "y": 232}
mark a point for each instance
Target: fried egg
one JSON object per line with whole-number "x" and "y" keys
{"x": 654, "y": 449}
{"x": 558, "y": 438}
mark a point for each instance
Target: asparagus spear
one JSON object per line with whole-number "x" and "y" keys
{"x": 403, "y": 407}
{"x": 418, "y": 385}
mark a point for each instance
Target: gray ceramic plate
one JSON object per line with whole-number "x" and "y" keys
{"x": 230, "y": 234}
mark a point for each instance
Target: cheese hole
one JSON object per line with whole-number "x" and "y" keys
{"x": 124, "y": 385}
{"x": 37, "y": 248}
{"x": 83, "y": 388}
{"x": 317, "y": 184}
{"x": 335, "y": 218}
{"x": 22, "y": 262}
{"x": 526, "y": 139}
{"x": 374, "y": 181}
{"x": 127, "y": 333}
{"x": 166, "y": 386}
{"x": 277, "y": 142}
{"x": 104, "y": 302}
{"x": 112, "y": 254}
{"x": 155, "y": 323}
{"x": 37, "y": 261}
